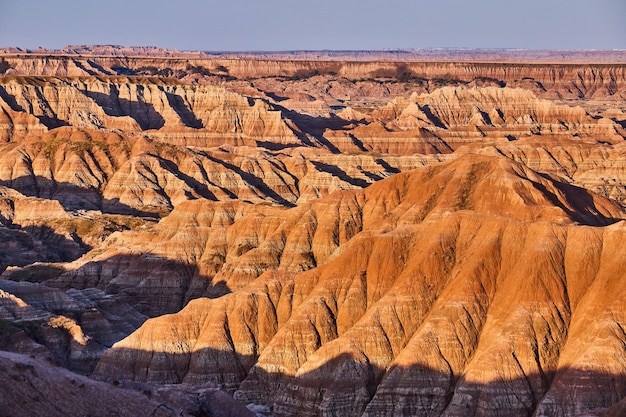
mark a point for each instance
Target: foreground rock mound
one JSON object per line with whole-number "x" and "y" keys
{"x": 449, "y": 300}
{"x": 35, "y": 388}
{"x": 72, "y": 328}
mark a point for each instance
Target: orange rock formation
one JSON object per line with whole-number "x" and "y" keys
{"x": 450, "y": 277}
{"x": 315, "y": 237}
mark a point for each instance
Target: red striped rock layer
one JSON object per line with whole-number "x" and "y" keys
{"x": 440, "y": 300}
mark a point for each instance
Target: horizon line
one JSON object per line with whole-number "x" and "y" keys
{"x": 326, "y": 50}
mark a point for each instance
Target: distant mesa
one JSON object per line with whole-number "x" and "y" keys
{"x": 394, "y": 55}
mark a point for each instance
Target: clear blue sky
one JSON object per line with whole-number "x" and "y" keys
{"x": 275, "y": 25}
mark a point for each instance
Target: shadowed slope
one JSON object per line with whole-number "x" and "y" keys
{"x": 35, "y": 388}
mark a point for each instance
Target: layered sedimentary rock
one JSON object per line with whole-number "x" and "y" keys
{"x": 106, "y": 166}
{"x": 92, "y": 170}
{"x": 131, "y": 105}
{"x": 450, "y": 117}
{"x": 38, "y": 229}
{"x": 207, "y": 249}
{"x": 572, "y": 80}
{"x": 397, "y": 55}
{"x": 319, "y": 238}
{"x": 439, "y": 292}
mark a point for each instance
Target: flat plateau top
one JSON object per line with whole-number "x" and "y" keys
{"x": 393, "y": 55}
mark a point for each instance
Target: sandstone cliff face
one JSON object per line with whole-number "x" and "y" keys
{"x": 431, "y": 328}
{"x": 586, "y": 80}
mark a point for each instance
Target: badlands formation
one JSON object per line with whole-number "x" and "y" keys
{"x": 184, "y": 234}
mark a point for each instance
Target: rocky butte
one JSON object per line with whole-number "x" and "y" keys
{"x": 278, "y": 235}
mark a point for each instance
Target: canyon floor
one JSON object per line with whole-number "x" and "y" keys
{"x": 203, "y": 235}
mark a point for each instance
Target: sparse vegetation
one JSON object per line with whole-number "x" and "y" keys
{"x": 147, "y": 70}
{"x": 401, "y": 73}
{"x": 303, "y": 74}
{"x": 447, "y": 79}
{"x": 373, "y": 154}
{"x": 490, "y": 80}
{"x": 466, "y": 189}
{"x": 199, "y": 70}
{"x": 123, "y": 70}
{"x": 430, "y": 204}
{"x": 165, "y": 72}
{"x": 330, "y": 69}
{"x": 51, "y": 149}
{"x": 402, "y": 243}
{"x": 89, "y": 146}
{"x": 153, "y": 71}
{"x": 221, "y": 68}
{"x": 168, "y": 150}
{"x": 89, "y": 230}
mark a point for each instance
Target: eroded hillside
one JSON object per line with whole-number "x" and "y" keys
{"x": 320, "y": 238}
{"x": 438, "y": 292}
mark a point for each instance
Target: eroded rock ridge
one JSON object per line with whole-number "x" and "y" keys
{"x": 315, "y": 237}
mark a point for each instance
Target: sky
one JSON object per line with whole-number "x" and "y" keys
{"x": 282, "y": 25}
